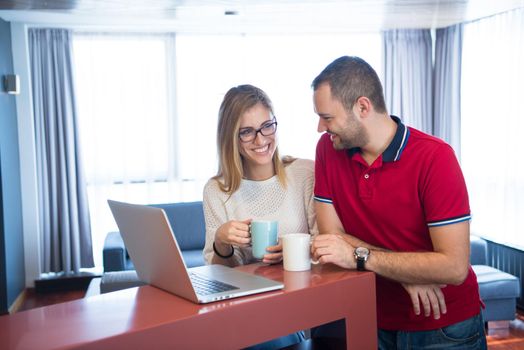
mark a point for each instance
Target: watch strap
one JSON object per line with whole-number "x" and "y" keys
{"x": 361, "y": 264}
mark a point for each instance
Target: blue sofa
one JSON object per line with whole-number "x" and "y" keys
{"x": 498, "y": 290}
{"x": 187, "y": 222}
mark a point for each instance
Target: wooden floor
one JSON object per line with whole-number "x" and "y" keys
{"x": 33, "y": 299}
{"x": 504, "y": 339}
{"x": 498, "y": 339}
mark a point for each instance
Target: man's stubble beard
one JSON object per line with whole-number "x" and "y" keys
{"x": 352, "y": 136}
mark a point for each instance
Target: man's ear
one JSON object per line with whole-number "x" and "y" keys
{"x": 363, "y": 106}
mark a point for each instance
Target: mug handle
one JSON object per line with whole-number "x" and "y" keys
{"x": 313, "y": 262}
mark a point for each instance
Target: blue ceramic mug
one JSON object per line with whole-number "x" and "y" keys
{"x": 264, "y": 233}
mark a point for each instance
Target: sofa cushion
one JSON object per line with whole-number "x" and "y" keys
{"x": 496, "y": 284}
{"x": 187, "y": 222}
{"x": 193, "y": 257}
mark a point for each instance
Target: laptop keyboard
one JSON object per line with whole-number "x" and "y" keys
{"x": 204, "y": 285}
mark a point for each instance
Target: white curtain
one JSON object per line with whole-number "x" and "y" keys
{"x": 408, "y": 80}
{"x": 282, "y": 65}
{"x": 126, "y": 105}
{"x": 448, "y": 59}
{"x": 492, "y": 125}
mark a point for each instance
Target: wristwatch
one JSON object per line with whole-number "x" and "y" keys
{"x": 361, "y": 255}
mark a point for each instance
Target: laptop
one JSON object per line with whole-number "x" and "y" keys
{"x": 156, "y": 255}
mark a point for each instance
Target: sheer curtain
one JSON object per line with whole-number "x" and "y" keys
{"x": 448, "y": 59}
{"x": 63, "y": 207}
{"x": 282, "y": 65}
{"x": 125, "y": 89}
{"x": 408, "y": 76}
{"x": 492, "y": 124}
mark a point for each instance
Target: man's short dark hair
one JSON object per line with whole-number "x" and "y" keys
{"x": 349, "y": 78}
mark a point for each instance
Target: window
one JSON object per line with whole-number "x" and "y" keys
{"x": 122, "y": 89}
{"x": 282, "y": 65}
{"x": 492, "y": 123}
{"x": 126, "y": 123}
{"x": 148, "y": 106}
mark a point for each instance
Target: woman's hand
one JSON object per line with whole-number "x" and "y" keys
{"x": 235, "y": 233}
{"x": 275, "y": 254}
{"x": 430, "y": 296}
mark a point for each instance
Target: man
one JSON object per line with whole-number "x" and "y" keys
{"x": 392, "y": 200}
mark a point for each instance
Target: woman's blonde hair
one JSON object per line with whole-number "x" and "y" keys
{"x": 236, "y": 102}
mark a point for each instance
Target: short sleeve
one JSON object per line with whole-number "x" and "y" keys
{"x": 445, "y": 196}
{"x": 322, "y": 191}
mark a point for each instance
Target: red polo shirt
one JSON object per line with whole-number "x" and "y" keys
{"x": 415, "y": 184}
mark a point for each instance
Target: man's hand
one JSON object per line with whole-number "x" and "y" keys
{"x": 335, "y": 249}
{"x": 430, "y": 296}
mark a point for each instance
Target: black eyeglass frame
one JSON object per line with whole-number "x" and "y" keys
{"x": 259, "y": 130}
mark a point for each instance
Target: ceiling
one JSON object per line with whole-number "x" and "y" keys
{"x": 253, "y": 15}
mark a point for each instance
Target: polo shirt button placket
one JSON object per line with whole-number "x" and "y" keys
{"x": 366, "y": 190}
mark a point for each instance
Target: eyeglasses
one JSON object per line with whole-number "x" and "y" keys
{"x": 249, "y": 134}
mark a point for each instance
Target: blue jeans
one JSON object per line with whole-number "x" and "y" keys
{"x": 465, "y": 335}
{"x": 282, "y": 342}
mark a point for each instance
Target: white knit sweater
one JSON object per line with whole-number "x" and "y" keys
{"x": 292, "y": 206}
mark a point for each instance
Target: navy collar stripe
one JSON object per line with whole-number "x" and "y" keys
{"x": 397, "y": 145}
{"x": 399, "y": 142}
{"x": 403, "y": 144}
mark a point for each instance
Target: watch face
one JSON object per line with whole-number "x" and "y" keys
{"x": 361, "y": 252}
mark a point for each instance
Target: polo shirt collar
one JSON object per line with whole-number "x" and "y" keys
{"x": 397, "y": 145}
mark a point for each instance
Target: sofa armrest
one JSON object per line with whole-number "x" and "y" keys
{"x": 117, "y": 280}
{"x": 478, "y": 251}
{"x": 114, "y": 253}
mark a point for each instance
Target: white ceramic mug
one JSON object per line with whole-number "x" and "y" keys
{"x": 296, "y": 251}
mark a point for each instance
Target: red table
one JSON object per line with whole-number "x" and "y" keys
{"x": 149, "y": 318}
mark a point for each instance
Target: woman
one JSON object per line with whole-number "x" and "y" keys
{"x": 253, "y": 182}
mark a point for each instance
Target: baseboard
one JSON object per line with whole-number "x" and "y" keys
{"x": 64, "y": 282}
{"x": 19, "y": 301}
